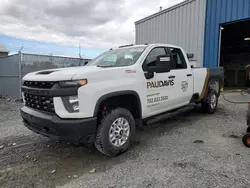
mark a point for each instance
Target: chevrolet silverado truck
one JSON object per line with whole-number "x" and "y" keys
{"x": 104, "y": 101}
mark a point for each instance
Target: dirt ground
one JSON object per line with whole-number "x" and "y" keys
{"x": 190, "y": 150}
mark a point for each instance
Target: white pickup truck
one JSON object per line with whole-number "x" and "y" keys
{"x": 105, "y": 100}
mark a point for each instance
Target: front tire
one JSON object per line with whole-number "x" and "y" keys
{"x": 115, "y": 132}
{"x": 211, "y": 102}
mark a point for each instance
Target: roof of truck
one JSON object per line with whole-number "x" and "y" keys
{"x": 162, "y": 44}
{"x": 153, "y": 44}
{"x": 133, "y": 46}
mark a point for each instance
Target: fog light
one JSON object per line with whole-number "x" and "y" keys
{"x": 73, "y": 101}
{"x": 75, "y": 107}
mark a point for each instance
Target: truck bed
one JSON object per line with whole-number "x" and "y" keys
{"x": 203, "y": 78}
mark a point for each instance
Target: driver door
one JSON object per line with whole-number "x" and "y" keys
{"x": 159, "y": 90}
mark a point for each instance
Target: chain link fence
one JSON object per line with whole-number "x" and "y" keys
{"x": 14, "y": 67}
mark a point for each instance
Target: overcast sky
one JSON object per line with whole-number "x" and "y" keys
{"x": 93, "y": 23}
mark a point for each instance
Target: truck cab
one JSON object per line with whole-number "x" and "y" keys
{"x": 105, "y": 100}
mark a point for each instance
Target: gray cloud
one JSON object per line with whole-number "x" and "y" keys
{"x": 100, "y": 24}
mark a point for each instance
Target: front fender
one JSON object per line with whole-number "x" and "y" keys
{"x": 91, "y": 94}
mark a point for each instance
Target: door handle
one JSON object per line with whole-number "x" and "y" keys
{"x": 171, "y": 77}
{"x": 188, "y": 75}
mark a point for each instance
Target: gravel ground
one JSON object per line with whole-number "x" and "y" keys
{"x": 190, "y": 150}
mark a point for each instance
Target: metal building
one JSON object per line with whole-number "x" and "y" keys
{"x": 181, "y": 25}
{"x": 216, "y": 31}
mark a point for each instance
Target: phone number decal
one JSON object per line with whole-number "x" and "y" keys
{"x": 157, "y": 99}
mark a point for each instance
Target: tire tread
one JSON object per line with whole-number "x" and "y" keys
{"x": 206, "y": 104}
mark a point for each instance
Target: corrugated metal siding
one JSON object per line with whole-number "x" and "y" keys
{"x": 219, "y": 12}
{"x": 181, "y": 25}
{"x": 9, "y": 69}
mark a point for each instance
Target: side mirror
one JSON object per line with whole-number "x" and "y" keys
{"x": 83, "y": 63}
{"x": 190, "y": 56}
{"x": 163, "y": 64}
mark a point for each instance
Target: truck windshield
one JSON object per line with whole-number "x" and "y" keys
{"x": 118, "y": 57}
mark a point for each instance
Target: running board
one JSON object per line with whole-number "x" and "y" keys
{"x": 167, "y": 115}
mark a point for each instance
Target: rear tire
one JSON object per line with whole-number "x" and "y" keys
{"x": 248, "y": 117}
{"x": 246, "y": 140}
{"x": 115, "y": 132}
{"x": 211, "y": 102}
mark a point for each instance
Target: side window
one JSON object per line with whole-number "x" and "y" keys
{"x": 151, "y": 58}
{"x": 178, "y": 59}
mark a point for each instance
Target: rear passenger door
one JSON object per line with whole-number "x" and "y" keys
{"x": 183, "y": 77}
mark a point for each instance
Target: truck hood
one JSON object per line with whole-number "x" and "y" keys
{"x": 60, "y": 74}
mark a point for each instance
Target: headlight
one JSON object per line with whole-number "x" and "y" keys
{"x": 74, "y": 83}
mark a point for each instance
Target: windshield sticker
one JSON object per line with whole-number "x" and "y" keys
{"x": 136, "y": 49}
{"x": 128, "y": 56}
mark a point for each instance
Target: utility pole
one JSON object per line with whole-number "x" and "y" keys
{"x": 80, "y": 54}
{"x": 20, "y": 49}
{"x": 20, "y": 71}
{"x": 51, "y": 58}
{"x": 79, "y": 49}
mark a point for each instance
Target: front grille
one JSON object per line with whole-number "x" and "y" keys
{"x": 44, "y": 103}
{"x": 39, "y": 84}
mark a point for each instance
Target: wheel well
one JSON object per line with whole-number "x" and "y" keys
{"x": 128, "y": 101}
{"x": 215, "y": 85}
